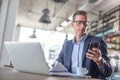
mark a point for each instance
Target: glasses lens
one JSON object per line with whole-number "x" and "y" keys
{"x": 81, "y": 22}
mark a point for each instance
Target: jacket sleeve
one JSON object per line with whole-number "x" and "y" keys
{"x": 106, "y": 68}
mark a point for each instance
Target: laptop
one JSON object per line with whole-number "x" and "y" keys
{"x": 29, "y": 57}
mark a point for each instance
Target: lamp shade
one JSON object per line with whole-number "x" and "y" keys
{"x": 60, "y": 1}
{"x": 92, "y": 1}
{"x": 45, "y": 17}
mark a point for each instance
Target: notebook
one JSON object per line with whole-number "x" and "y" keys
{"x": 29, "y": 57}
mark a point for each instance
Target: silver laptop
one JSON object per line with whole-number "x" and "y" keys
{"x": 29, "y": 57}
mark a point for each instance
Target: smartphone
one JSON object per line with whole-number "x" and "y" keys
{"x": 94, "y": 45}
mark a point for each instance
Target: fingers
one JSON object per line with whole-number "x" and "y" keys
{"x": 93, "y": 54}
{"x": 90, "y": 55}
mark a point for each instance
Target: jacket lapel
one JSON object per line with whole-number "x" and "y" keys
{"x": 68, "y": 55}
{"x": 86, "y": 46}
{"x": 71, "y": 50}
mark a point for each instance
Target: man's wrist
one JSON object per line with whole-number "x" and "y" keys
{"x": 99, "y": 62}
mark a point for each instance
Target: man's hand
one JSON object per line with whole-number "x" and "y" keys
{"x": 95, "y": 55}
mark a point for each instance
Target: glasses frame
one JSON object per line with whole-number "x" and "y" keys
{"x": 79, "y": 22}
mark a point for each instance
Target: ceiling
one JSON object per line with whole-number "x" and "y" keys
{"x": 30, "y": 12}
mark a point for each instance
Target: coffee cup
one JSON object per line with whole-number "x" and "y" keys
{"x": 81, "y": 71}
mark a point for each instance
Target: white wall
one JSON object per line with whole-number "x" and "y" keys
{"x": 8, "y": 13}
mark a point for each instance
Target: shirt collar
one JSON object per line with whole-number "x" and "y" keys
{"x": 81, "y": 39}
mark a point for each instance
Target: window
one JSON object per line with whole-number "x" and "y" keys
{"x": 51, "y": 41}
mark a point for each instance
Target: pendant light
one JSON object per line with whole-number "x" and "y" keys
{"x": 45, "y": 18}
{"x": 33, "y": 35}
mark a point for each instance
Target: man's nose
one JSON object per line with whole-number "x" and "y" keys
{"x": 82, "y": 24}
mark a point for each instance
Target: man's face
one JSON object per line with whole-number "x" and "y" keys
{"x": 79, "y": 24}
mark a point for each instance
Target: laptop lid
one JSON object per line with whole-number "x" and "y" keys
{"x": 27, "y": 57}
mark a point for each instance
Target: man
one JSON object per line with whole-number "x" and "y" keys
{"x": 76, "y": 53}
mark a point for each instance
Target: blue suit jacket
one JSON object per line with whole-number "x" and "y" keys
{"x": 93, "y": 70}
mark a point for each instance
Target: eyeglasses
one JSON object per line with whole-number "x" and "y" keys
{"x": 79, "y": 22}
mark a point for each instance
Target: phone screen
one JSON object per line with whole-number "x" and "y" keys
{"x": 94, "y": 45}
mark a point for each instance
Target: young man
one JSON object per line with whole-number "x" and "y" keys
{"x": 76, "y": 53}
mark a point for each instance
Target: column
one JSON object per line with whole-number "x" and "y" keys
{"x": 9, "y": 9}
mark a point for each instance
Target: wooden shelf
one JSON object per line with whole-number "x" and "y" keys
{"x": 113, "y": 42}
{"x": 106, "y": 21}
{"x": 113, "y": 49}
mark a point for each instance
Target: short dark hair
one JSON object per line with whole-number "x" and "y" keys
{"x": 80, "y": 12}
